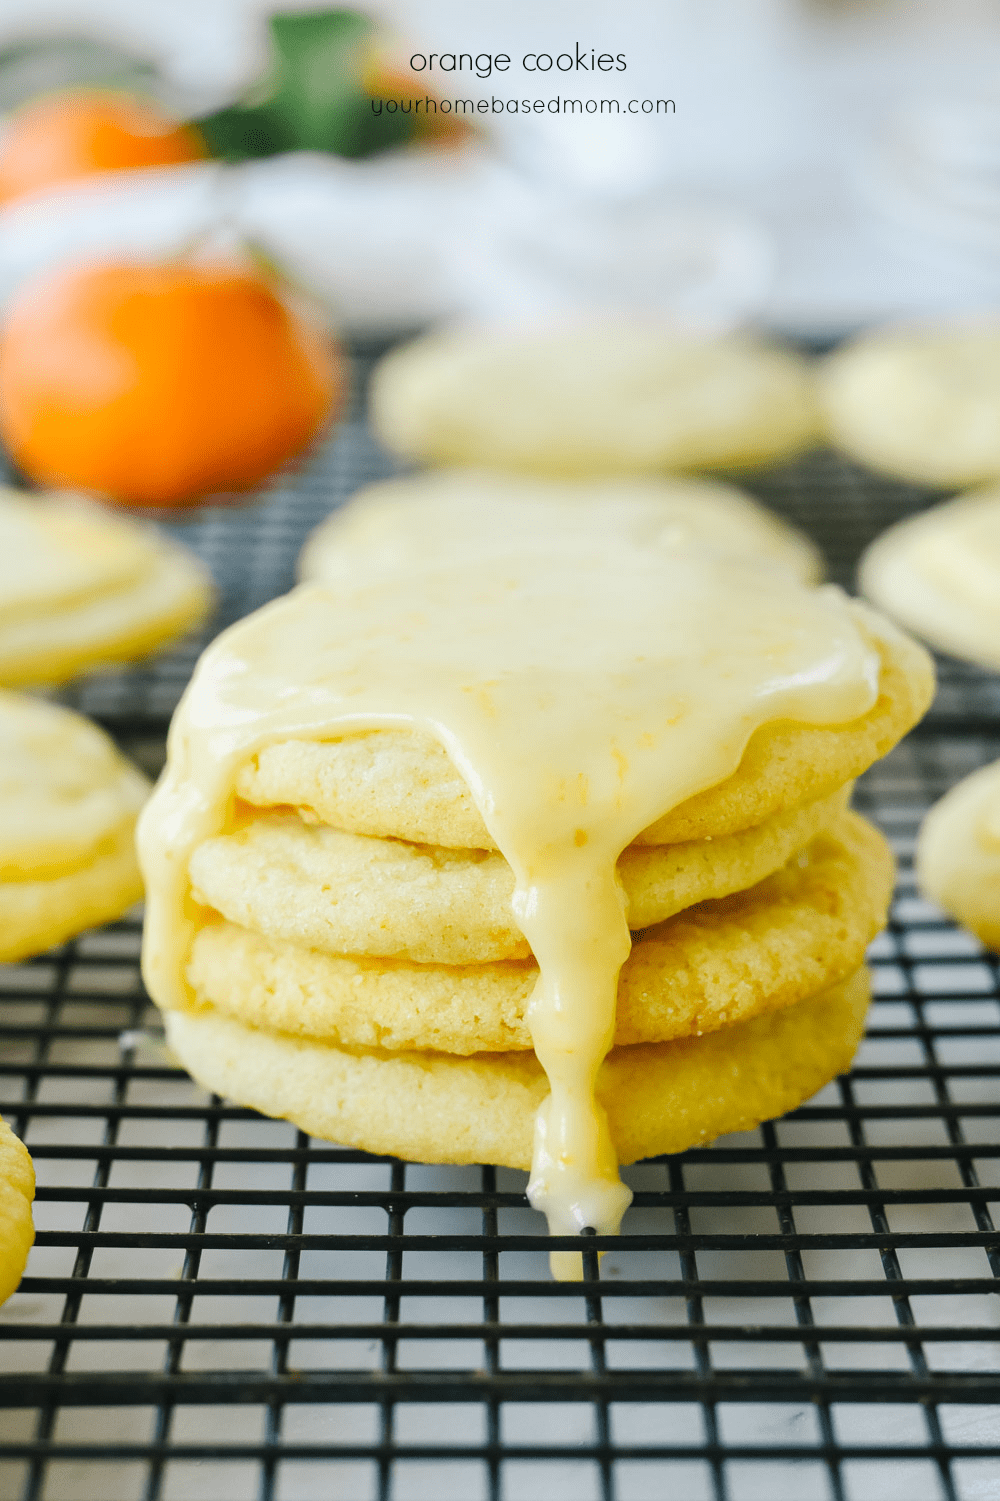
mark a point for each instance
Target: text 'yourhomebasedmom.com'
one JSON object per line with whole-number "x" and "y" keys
{"x": 555, "y": 106}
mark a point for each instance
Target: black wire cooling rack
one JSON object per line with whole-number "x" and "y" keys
{"x": 217, "y": 1306}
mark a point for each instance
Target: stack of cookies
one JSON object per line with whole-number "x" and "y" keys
{"x": 79, "y": 588}
{"x": 357, "y": 968}
{"x": 337, "y": 937}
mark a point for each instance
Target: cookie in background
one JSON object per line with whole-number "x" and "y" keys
{"x": 420, "y": 518}
{"x": 599, "y": 398}
{"x": 919, "y": 404}
{"x": 958, "y": 854}
{"x": 938, "y": 574}
{"x": 68, "y": 806}
{"x": 80, "y": 588}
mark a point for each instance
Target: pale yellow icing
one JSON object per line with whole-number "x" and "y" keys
{"x": 582, "y": 689}
{"x": 56, "y": 550}
{"x": 939, "y": 574}
{"x": 411, "y": 521}
{"x": 963, "y": 557}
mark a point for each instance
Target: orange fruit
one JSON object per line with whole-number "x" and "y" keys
{"x": 160, "y": 384}
{"x": 70, "y": 135}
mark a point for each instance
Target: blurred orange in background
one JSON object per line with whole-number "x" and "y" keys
{"x": 161, "y": 384}
{"x": 66, "y": 136}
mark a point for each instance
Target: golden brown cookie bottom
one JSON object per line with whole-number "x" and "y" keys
{"x": 433, "y": 1107}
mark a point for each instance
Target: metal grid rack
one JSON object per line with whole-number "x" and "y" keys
{"x": 219, "y": 1307}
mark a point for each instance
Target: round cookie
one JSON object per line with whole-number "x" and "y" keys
{"x": 80, "y": 587}
{"x": 920, "y": 404}
{"x": 958, "y": 854}
{"x": 61, "y": 549}
{"x": 36, "y": 915}
{"x": 393, "y": 783}
{"x": 590, "y": 399}
{"x": 64, "y": 789}
{"x": 938, "y": 573}
{"x": 797, "y": 932}
{"x": 17, "y": 1190}
{"x": 350, "y": 894}
{"x": 410, "y": 521}
{"x": 427, "y": 1107}
{"x": 61, "y": 777}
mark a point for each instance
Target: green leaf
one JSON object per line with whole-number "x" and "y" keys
{"x": 315, "y": 101}
{"x": 240, "y": 132}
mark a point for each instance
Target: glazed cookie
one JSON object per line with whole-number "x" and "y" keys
{"x": 80, "y": 587}
{"x": 596, "y": 399}
{"x": 68, "y": 805}
{"x": 958, "y": 854}
{"x": 444, "y": 841}
{"x": 938, "y": 573}
{"x": 920, "y": 404}
{"x": 17, "y": 1190}
{"x": 432, "y": 1107}
{"x": 423, "y": 517}
{"x": 402, "y": 784}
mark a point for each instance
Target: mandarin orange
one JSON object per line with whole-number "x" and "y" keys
{"x": 160, "y": 384}
{"x": 70, "y": 135}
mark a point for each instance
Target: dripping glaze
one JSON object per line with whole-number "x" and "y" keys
{"x": 582, "y": 691}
